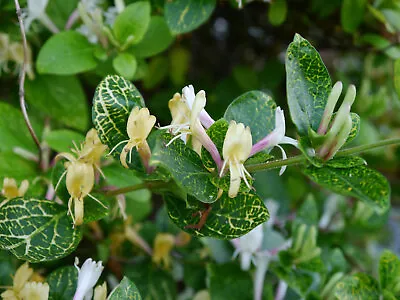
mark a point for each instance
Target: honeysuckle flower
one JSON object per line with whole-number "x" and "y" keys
{"x": 247, "y": 246}
{"x": 139, "y": 125}
{"x": 189, "y": 96}
{"x": 10, "y": 188}
{"x": 235, "y": 151}
{"x": 4, "y": 45}
{"x": 92, "y": 149}
{"x": 79, "y": 181}
{"x": 163, "y": 244}
{"x": 91, "y": 14}
{"x": 276, "y": 137}
{"x": 88, "y": 275}
{"x": 36, "y": 10}
{"x": 188, "y": 118}
{"x": 35, "y": 291}
{"x": 21, "y": 277}
{"x": 113, "y": 11}
{"x": 100, "y": 292}
{"x": 337, "y": 134}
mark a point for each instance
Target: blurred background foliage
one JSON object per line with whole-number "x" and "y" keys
{"x": 229, "y": 51}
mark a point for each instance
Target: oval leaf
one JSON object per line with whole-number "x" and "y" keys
{"x": 360, "y": 182}
{"x": 254, "y": 109}
{"x": 125, "y": 64}
{"x": 113, "y": 101}
{"x": 131, "y": 25}
{"x": 66, "y": 53}
{"x": 229, "y": 218}
{"x": 61, "y": 98}
{"x": 156, "y": 40}
{"x": 389, "y": 271}
{"x": 37, "y": 230}
{"x": 352, "y": 14}
{"x": 62, "y": 283}
{"x": 185, "y": 15}
{"x": 186, "y": 168}
{"x": 308, "y": 84}
{"x": 125, "y": 290}
{"x": 357, "y": 286}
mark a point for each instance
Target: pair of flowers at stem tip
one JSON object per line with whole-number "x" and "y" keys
{"x": 80, "y": 173}
{"x": 189, "y": 118}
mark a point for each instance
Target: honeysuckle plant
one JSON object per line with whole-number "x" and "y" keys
{"x": 206, "y": 170}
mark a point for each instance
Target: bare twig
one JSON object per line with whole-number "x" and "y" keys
{"x": 22, "y": 81}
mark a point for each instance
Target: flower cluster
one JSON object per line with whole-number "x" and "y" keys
{"x": 80, "y": 171}
{"x": 189, "y": 119}
{"x": 14, "y": 52}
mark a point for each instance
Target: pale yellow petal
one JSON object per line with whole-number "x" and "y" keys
{"x": 100, "y": 292}
{"x": 79, "y": 179}
{"x": 234, "y": 185}
{"x": 35, "y": 291}
{"x": 22, "y": 276}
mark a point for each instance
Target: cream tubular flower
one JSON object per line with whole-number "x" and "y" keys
{"x": 247, "y": 246}
{"x": 276, "y": 137}
{"x": 79, "y": 181}
{"x": 100, "y": 292}
{"x": 35, "y": 291}
{"x": 236, "y": 150}
{"x": 10, "y": 189}
{"x": 139, "y": 126}
{"x": 88, "y": 275}
{"x": 163, "y": 244}
{"x": 189, "y": 96}
{"x": 37, "y": 11}
{"x": 180, "y": 113}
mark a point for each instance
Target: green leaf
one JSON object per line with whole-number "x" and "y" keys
{"x": 125, "y": 64}
{"x": 37, "y": 230}
{"x": 277, "y": 12}
{"x": 216, "y": 132}
{"x": 63, "y": 140}
{"x": 125, "y": 290}
{"x": 229, "y": 218}
{"x": 352, "y": 14}
{"x": 358, "y": 286}
{"x": 113, "y": 101}
{"x": 158, "y": 70}
{"x": 355, "y": 127}
{"x": 61, "y": 98}
{"x": 131, "y": 25}
{"x": 298, "y": 280}
{"x": 397, "y": 76}
{"x": 360, "y": 182}
{"x": 66, "y": 53}
{"x": 186, "y": 15}
{"x": 13, "y": 130}
{"x": 228, "y": 281}
{"x": 16, "y": 167}
{"x": 186, "y": 168}
{"x": 389, "y": 272}
{"x": 157, "y": 39}
{"x": 346, "y": 162}
{"x": 254, "y": 109}
{"x": 308, "y": 84}
{"x": 94, "y": 210}
{"x": 62, "y": 283}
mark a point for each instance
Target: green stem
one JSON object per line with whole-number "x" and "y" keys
{"x": 295, "y": 160}
{"x": 300, "y": 158}
{"x": 144, "y": 185}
